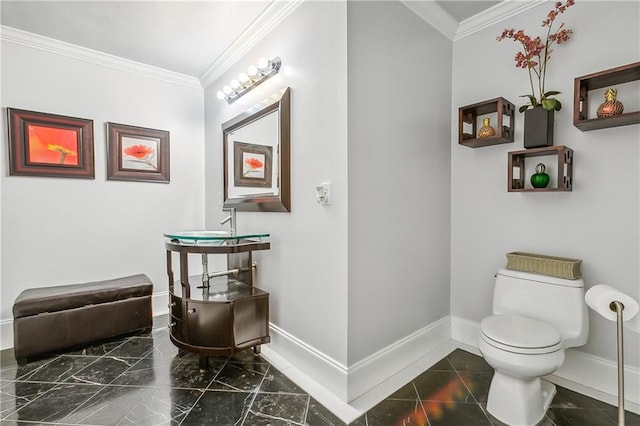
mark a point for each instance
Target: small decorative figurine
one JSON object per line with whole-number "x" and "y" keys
{"x": 611, "y": 106}
{"x": 486, "y": 130}
{"x": 540, "y": 179}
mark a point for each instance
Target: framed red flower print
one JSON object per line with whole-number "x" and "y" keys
{"x": 137, "y": 153}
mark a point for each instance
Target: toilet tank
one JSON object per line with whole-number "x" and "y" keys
{"x": 556, "y": 301}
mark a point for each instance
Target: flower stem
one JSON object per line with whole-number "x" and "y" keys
{"x": 531, "y": 82}
{"x": 543, "y": 71}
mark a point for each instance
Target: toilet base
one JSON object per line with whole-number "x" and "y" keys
{"x": 519, "y": 402}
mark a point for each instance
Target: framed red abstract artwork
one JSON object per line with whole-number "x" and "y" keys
{"x": 137, "y": 153}
{"x": 50, "y": 145}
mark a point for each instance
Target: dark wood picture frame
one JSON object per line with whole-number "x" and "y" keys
{"x": 253, "y": 165}
{"x": 50, "y": 145}
{"x": 137, "y": 153}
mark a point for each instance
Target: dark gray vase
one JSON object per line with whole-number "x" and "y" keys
{"x": 538, "y": 128}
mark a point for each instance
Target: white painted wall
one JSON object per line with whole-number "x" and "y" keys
{"x": 305, "y": 271}
{"x": 399, "y": 91}
{"x": 598, "y": 221}
{"x": 59, "y": 231}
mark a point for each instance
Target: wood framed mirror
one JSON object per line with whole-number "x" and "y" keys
{"x": 256, "y": 155}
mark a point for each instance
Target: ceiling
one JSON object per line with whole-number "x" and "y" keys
{"x": 187, "y": 37}
{"x": 461, "y": 10}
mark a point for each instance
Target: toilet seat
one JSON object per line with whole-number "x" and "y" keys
{"x": 521, "y": 335}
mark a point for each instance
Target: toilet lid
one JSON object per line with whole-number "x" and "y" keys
{"x": 519, "y": 334}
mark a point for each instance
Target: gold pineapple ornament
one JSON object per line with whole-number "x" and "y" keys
{"x": 486, "y": 130}
{"x": 611, "y": 106}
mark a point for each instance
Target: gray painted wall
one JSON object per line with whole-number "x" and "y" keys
{"x": 399, "y": 88}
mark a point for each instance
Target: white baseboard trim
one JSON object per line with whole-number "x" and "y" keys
{"x": 364, "y": 375}
{"x": 327, "y": 372}
{"x": 598, "y": 378}
{"x": 382, "y": 390}
{"x": 465, "y": 331}
{"x": 6, "y": 334}
{"x": 348, "y": 392}
{"x": 320, "y": 393}
{"x": 581, "y": 372}
{"x": 159, "y": 304}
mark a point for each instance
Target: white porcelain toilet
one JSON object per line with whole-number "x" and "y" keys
{"x": 535, "y": 317}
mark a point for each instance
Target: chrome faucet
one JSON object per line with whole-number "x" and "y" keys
{"x": 232, "y": 219}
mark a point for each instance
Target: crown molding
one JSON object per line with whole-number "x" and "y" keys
{"x": 275, "y": 13}
{"x": 434, "y": 15}
{"x": 430, "y": 12}
{"x": 24, "y": 38}
{"x": 493, "y": 15}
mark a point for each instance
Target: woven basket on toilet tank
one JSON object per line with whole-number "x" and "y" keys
{"x": 560, "y": 267}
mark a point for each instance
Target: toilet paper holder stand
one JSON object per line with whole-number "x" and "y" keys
{"x": 618, "y": 307}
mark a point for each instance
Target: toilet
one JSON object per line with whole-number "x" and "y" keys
{"x": 535, "y": 318}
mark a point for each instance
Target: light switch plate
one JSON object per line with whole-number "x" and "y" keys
{"x": 323, "y": 194}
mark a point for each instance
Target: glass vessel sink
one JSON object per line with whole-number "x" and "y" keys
{"x": 213, "y": 236}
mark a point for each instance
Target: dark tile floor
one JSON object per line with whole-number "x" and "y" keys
{"x": 140, "y": 380}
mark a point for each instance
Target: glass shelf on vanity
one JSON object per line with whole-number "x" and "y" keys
{"x": 220, "y": 289}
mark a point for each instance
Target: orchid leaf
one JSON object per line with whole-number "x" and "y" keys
{"x": 551, "y": 93}
{"x": 532, "y": 99}
{"x": 558, "y": 105}
{"x": 549, "y": 104}
{"x": 523, "y": 108}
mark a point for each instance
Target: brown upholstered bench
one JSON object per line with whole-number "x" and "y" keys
{"x": 50, "y": 318}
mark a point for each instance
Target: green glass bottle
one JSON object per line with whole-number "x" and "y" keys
{"x": 540, "y": 179}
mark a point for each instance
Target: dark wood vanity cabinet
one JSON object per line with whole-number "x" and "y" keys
{"x": 221, "y": 314}
{"x": 232, "y": 317}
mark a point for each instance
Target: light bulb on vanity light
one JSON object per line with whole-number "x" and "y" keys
{"x": 253, "y": 72}
{"x": 220, "y": 94}
{"x": 227, "y": 90}
{"x": 264, "y": 65}
{"x": 236, "y": 86}
{"x": 244, "y": 80}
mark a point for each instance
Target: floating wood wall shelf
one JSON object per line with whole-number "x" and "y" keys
{"x": 471, "y": 115}
{"x": 516, "y": 169}
{"x": 583, "y": 85}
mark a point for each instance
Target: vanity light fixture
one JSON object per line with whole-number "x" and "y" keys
{"x": 249, "y": 80}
